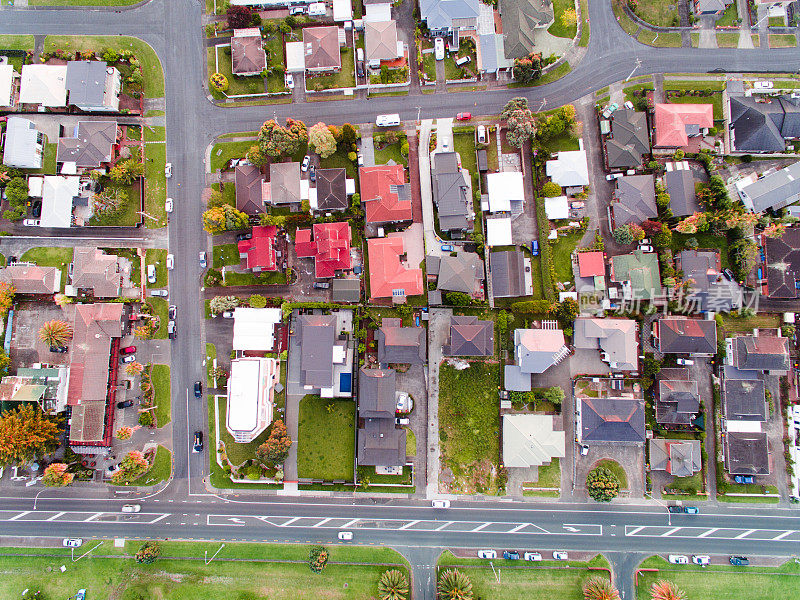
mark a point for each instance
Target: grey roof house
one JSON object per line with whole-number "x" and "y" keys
{"x": 634, "y": 200}
{"x": 507, "y": 270}
{"x": 470, "y": 337}
{"x": 683, "y": 335}
{"x": 535, "y": 351}
{"x": 91, "y": 145}
{"x": 630, "y": 140}
{"x": 677, "y": 402}
{"x": 521, "y": 19}
{"x": 763, "y": 126}
{"x": 400, "y": 345}
{"x": 93, "y": 269}
{"x": 747, "y": 453}
{"x": 316, "y": 335}
{"x": 774, "y": 191}
{"x": 679, "y": 458}
{"x": 247, "y": 52}
{"x": 460, "y": 273}
{"x": 376, "y": 389}
{"x": 346, "y": 289}
{"x": 380, "y": 443}
{"x": 93, "y": 86}
{"x": 679, "y": 183}
{"x": 617, "y": 340}
{"x": 783, "y": 264}
{"x": 448, "y": 16}
{"x": 758, "y": 353}
{"x": 451, "y": 193}
{"x": 611, "y": 420}
{"x": 331, "y": 189}
{"x": 744, "y": 400}
{"x": 284, "y": 183}
{"x": 709, "y": 290}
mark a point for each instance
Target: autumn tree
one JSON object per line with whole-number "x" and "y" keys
{"x": 393, "y": 585}
{"x": 148, "y": 553}
{"x": 600, "y": 588}
{"x": 321, "y": 140}
{"x": 55, "y": 475}
{"x": 275, "y": 140}
{"x": 454, "y": 585}
{"x": 225, "y": 217}
{"x": 134, "y": 368}
{"x": 519, "y": 121}
{"x": 569, "y": 18}
{"x": 220, "y": 304}
{"x": 125, "y": 432}
{"x": 693, "y": 223}
{"x": 109, "y": 201}
{"x": 317, "y": 558}
{"x": 7, "y": 292}
{"x": 602, "y": 484}
{"x": 26, "y": 432}
{"x": 125, "y": 171}
{"x": 55, "y": 332}
{"x": 276, "y": 448}
{"x": 349, "y": 134}
{"x": 666, "y": 590}
{"x": 239, "y": 17}
{"x": 131, "y": 467}
{"x": 257, "y": 301}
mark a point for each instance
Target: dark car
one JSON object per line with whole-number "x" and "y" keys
{"x": 36, "y": 209}
{"x": 675, "y": 509}
{"x": 744, "y": 479}
{"x": 59, "y": 349}
{"x": 244, "y": 236}
{"x": 198, "y": 389}
{"x": 128, "y": 350}
{"x": 511, "y": 555}
{"x": 125, "y": 404}
{"x": 728, "y": 274}
{"x": 312, "y": 173}
{"x": 739, "y": 561}
{"x": 197, "y": 446}
{"x": 173, "y": 311}
{"x": 360, "y": 67}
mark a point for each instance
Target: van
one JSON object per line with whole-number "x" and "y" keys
{"x": 481, "y": 134}
{"x": 387, "y": 120}
{"x": 131, "y": 508}
{"x": 463, "y": 61}
{"x": 359, "y": 53}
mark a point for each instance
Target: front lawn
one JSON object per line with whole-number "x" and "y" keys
{"x": 50, "y": 257}
{"x": 211, "y": 354}
{"x": 559, "y": 28}
{"x": 262, "y": 278}
{"x": 617, "y": 470}
{"x": 128, "y": 213}
{"x": 469, "y": 422}
{"x": 222, "y": 152}
{"x": 161, "y": 309}
{"x": 225, "y": 254}
{"x": 339, "y": 160}
{"x": 345, "y": 78}
{"x": 549, "y": 475}
{"x": 730, "y": 18}
{"x": 237, "y": 85}
{"x": 160, "y": 471}
{"x": 155, "y": 185}
{"x": 671, "y": 39}
{"x": 390, "y": 152}
{"x": 163, "y": 397}
{"x": 326, "y": 444}
{"x": 238, "y": 453}
{"x": 782, "y": 40}
{"x": 728, "y": 40}
{"x": 158, "y": 257}
{"x": 662, "y": 13}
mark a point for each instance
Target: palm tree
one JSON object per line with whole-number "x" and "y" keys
{"x": 55, "y": 332}
{"x": 600, "y": 588}
{"x": 393, "y": 585}
{"x": 455, "y": 585}
{"x": 666, "y": 590}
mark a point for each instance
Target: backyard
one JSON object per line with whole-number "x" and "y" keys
{"x": 563, "y": 27}
{"x": 225, "y": 254}
{"x": 562, "y": 255}
{"x": 50, "y": 257}
{"x": 326, "y": 444}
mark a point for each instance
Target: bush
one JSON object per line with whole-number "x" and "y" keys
{"x": 219, "y": 82}
{"x": 602, "y": 485}
{"x": 146, "y": 418}
{"x": 318, "y": 558}
{"x": 257, "y": 301}
{"x": 148, "y": 553}
{"x": 551, "y": 190}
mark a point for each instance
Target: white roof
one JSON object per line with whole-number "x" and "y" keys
{"x": 295, "y": 57}
{"x": 378, "y": 12}
{"x": 503, "y": 188}
{"x": 243, "y": 395}
{"x": 530, "y": 441}
{"x": 342, "y": 10}
{"x": 569, "y": 168}
{"x": 44, "y": 84}
{"x": 6, "y": 84}
{"x": 35, "y": 186}
{"x": 57, "y": 195}
{"x": 248, "y": 32}
{"x": 21, "y": 147}
{"x": 743, "y": 426}
{"x": 254, "y": 328}
{"x": 498, "y": 232}
{"x": 557, "y": 208}
{"x": 350, "y": 186}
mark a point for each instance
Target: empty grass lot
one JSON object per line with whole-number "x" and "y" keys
{"x": 50, "y": 257}
{"x": 160, "y": 308}
{"x": 326, "y": 445}
{"x": 163, "y": 398}
{"x": 671, "y": 39}
{"x": 733, "y": 324}
{"x": 782, "y": 40}
{"x": 562, "y": 254}
{"x": 558, "y": 28}
{"x": 728, "y": 40}
{"x": 16, "y": 42}
{"x": 662, "y": 13}
{"x": 225, "y": 254}
{"x": 160, "y": 471}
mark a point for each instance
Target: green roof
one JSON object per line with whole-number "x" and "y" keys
{"x": 29, "y": 393}
{"x": 641, "y": 269}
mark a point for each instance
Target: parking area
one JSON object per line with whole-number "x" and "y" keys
{"x": 26, "y": 347}
{"x": 414, "y": 381}
{"x": 630, "y": 458}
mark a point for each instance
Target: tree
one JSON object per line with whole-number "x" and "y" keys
{"x": 569, "y": 17}
{"x": 532, "y": 306}
{"x": 528, "y": 68}
{"x": 55, "y": 475}
{"x": 131, "y": 467}
{"x": 602, "y": 485}
{"x": 26, "y": 432}
{"x": 321, "y": 140}
{"x": 623, "y": 235}
{"x": 125, "y": 171}
{"x": 454, "y": 585}
{"x": 224, "y": 218}
{"x": 775, "y": 230}
{"x": 519, "y": 121}
{"x": 666, "y": 590}
{"x": 554, "y": 395}
{"x": 551, "y": 190}
{"x": 217, "y": 198}
{"x": 7, "y": 292}
{"x": 276, "y": 448}
{"x": 134, "y": 368}
{"x": 277, "y": 220}
{"x": 125, "y": 432}
{"x": 318, "y": 558}
{"x": 457, "y": 299}
{"x": 239, "y": 17}
{"x": 600, "y": 588}
{"x": 17, "y": 192}
{"x": 257, "y": 301}
{"x": 275, "y": 140}
{"x": 62, "y": 300}
{"x": 55, "y": 332}
{"x": 256, "y": 156}
{"x": 5, "y": 362}
{"x": 219, "y": 82}
{"x": 109, "y": 201}
{"x": 393, "y": 585}
{"x": 693, "y": 223}
{"x": 744, "y": 255}
{"x": 148, "y": 553}
{"x": 566, "y": 311}
{"x": 220, "y": 304}
{"x": 349, "y": 135}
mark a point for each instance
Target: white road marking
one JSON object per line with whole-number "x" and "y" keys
{"x": 746, "y": 533}
{"x": 55, "y": 516}
{"x": 20, "y": 515}
{"x": 443, "y": 525}
{"x": 164, "y": 516}
{"x": 321, "y": 523}
{"x": 783, "y": 535}
{"x": 709, "y": 532}
{"x": 409, "y": 524}
{"x": 634, "y": 531}
{"x": 671, "y": 531}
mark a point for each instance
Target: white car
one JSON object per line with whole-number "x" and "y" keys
{"x": 532, "y": 556}
{"x": 72, "y": 543}
{"x": 170, "y": 261}
{"x": 345, "y": 535}
{"x": 168, "y": 170}
{"x": 645, "y": 248}
{"x": 438, "y": 48}
{"x": 32, "y": 222}
{"x": 487, "y": 554}
{"x": 763, "y": 85}
{"x": 131, "y": 508}
{"x": 678, "y": 559}
{"x": 560, "y": 555}
{"x": 159, "y": 293}
{"x": 306, "y": 162}
{"x": 290, "y": 81}
{"x": 228, "y": 314}
{"x": 168, "y": 205}
{"x": 701, "y": 559}
{"x": 613, "y": 176}
{"x": 151, "y": 273}
{"x": 360, "y": 159}
{"x": 481, "y": 134}
{"x": 684, "y": 362}
{"x": 441, "y": 504}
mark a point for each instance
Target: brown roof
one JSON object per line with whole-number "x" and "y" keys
{"x": 94, "y": 327}
{"x": 93, "y": 269}
{"x": 247, "y": 54}
{"x": 321, "y": 47}
{"x": 284, "y": 183}
{"x": 91, "y": 145}
{"x": 32, "y": 279}
{"x": 381, "y": 40}
{"x": 249, "y": 182}
{"x": 331, "y": 189}
{"x": 87, "y": 423}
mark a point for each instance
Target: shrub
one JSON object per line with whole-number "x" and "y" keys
{"x": 318, "y": 558}
{"x": 602, "y": 485}
{"x": 219, "y": 82}
{"x": 148, "y": 553}
{"x": 551, "y": 190}
{"x": 257, "y": 301}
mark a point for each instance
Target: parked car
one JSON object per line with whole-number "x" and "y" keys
{"x": 613, "y": 176}
{"x": 440, "y": 504}
{"x": 560, "y": 555}
{"x": 739, "y": 561}
{"x": 297, "y": 10}
{"x": 763, "y": 85}
{"x": 644, "y": 241}
{"x": 535, "y": 247}
{"x": 36, "y": 209}
{"x": 584, "y": 449}
{"x": 701, "y": 559}
{"x": 387, "y": 120}
{"x": 151, "y": 273}
{"x": 198, "y": 389}
{"x": 169, "y": 205}
{"x": 360, "y": 159}
{"x": 59, "y": 349}
{"x": 173, "y": 311}
{"x": 125, "y": 404}
{"x": 170, "y": 261}
{"x": 744, "y": 479}
{"x": 685, "y": 362}
{"x": 171, "y": 330}
{"x": 447, "y": 248}
{"x": 691, "y": 510}
{"x": 463, "y": 116}
{"x": 72, "y": 542}
{"x": 675, "y": 509}
{"x": 402, "y": 421}
{"x": 203, "y": 260}
{"x": 481, "y": 134}
{"x": 289, "y": 81}
{"x": 511, "y": 555}
{"x": 321, "y": 285}
{"x": 678, "y": 559}
{"x": 345, "y": 535}
{"x": 306, "y": 162}
{"x": 312, "y": 173}
{"x": 197, "y": 445}
{"x": 645, "y": 248}
{"x": 228, "y": 314}
{"x": 487, "y": 554}
{"x": 360, "y": 68}
{"x": 127, "y": 359}
{"x": 728, "y": 274}
{"x": 127, "y": 350}
{"x": 244, "y": 236}
{"x": 32, "y": 222}
{"x": 131, "y": 508}
{"x": 168, "y": 170}
{"x": 464, "y": 60}
{"x": 535, "y": 556}
{"x": 438, "y": 48}
{"x": 159, "y": 293}
{"x": 628, "y": 105}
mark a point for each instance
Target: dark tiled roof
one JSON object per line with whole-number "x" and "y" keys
{"x": 400, "y": 345}
{"x": 630, "y": 141}
{"x": 470, "y": 337}
{"x": 744, "y": 400}
{"x": 249, "y": 182}
{"x": 376, "y": 388}
{"x": 618, "y": 420}
{"x": 783, "y": 264}
{"x": 316, "y": 334}
{"x": 380, "y": 443}
{"x": 680, "y": 187}
{"x": 331, "y": 189}
{"x": 762, "y": 353}
{"x": 636, "y": 200}
{"x": 709, "y": 290}
{"x": 677, "y": 402}
{"x": 450, "y": 192}
{"x": 747, "y": 453}
{"x": 506, "y": 270}
{"x": 762, "y": 126}
{"x": 679, "y": 335}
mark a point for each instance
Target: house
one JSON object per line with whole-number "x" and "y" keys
{"x": 325, "y": 360}
{"x": 24, "y": 144}
{"x": 617, "y": 340}
{"x": 679, "y": 458}
{"x": 385, "y": 194}
{"x": 59, "y": 194}
{"x": 757, "y": 126}
{"x": 284, "y": 184}
{"x": 346, "y": 289}
{"x": 93, "y": 86}
{"x": 684, "y": 335}
{"x": 638, "y": 274}
{"x": 773, "y": 191}
{"x": 535, "y": 351}
{"x": 521, "y": 20}
{"x": 677, "y": 399}
{"x": 400, "y": 345}
{"x": 342, "y": 11}
{"x": 381, "y": 42}
{"x": 611, "y": 419}
{"x": 591, "y": 271}
{"x": 762, "y": 351}
{"x": 634, "y": 200}
{"x": 249, "y": 184}
{"x": 569, "y": 169}
{"x": 255, "y": 329}
{"x": 556, "y": 208}
{"x": 31, "y": 279}
{"x": 709, "y": 289}
{"x": 91, "y": 144}
{"x": 743, "y": 400}
{"x": 94, "y": 353}
{"x": 321, "y": 46}
{"x": 45, "y": 85}
{"x": 470, "y": 337}
{"x": 47, "y": 386}
{"x": 510, "y": 272}
{"x": 679, "y": 183}
{"x": 531, "y": 441}
{"x": 376, "y": 393}
{"x": 710, "y": 7}
{"x": 783, "y": 264}
{"x": 331, "y": 190}
{"x": 295, "y": 57}
{"x": 447, "y": 17}
{"x": 8, "y": 77}
{"x": 499, "y": 232}
{"x": 251, "y": 396}
{"x": 493, "y": 57}
{"x": 247, "y": 52}
{"x": 390, "y": 275}
{"x": 629, "y": 141}
{"x": 95, "y": 272}
{"x": 505, "y": 190}
{"x": 676, "y": 123}
{"x": 380, "y": 443}
{"x": 330, "y": 247}
{"x": 451, "y": 193}
{"x": 258, "y": 253}
{"x": 460, "y": 273}
{"x": 377, "y": 10}
{"x": 747, "y": 453}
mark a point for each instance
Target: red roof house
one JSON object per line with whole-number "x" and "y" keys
{"x": 385, "y": 194}
{"x": 591, "y": 264}
{"x": 259, "y": 251}
{"x": 389, "y": 276}
{"x": 330, "y": 247}
{"x": 676, "y": 123}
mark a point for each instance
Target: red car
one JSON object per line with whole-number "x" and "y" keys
{"x": 463, "y": 116}
{"x": 128, "y": 350}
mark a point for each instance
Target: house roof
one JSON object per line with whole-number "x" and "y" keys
{"x": 23, "y": 148}
{"x": 381, "y": 40}
{"x": 520, "y": 20}
{"x": 506, "y": 269}
{"x": 385, "y": 194}
{"x": 681, "y": 335}
{"x": 284, "y": 182}
{"x": 86, "y": 82}
{"x": 531, "y": 441}
{"x": 380, "y": 443}
{"x": 504, "y": 188}
{"x": 536, "y": 350}
{"x": 254, "y": 328}
{"x": 376, "y": 389}
{"x": 569, "y": 168}
{"x": 330, "y": 247}
{"x": 747, "y": 453}
{"x": 331, "y": 189}
{"x": 758, "y": 126}
{"x": 450, "y": 192}
{"x": 630, "y": 139}
{"x": 321, "y": 46}
{"x": 775, "y": 190}
{"x": 641, "y": 269}
{"x": 761, "y": 353}
{"x": 440, "y": 14}
{"x": 400, "y": 345}
{"x": 92, "y": 144}
{"x": 460, "y": 273}
{"x": 679, "y": 458}
{"x": 744, "y": 400}
{"x": 93, "y": 269}
{"x": 675, "y": 122}
{"x": 58, "y": 195}
{"x": 247, "y": 54}
{"x": 259, "y": 250}
{"x": 592, "y": 264}
{"x": 677, "y": 402}
{"x": 499, "y": 231}
{"x": 709, "y": 289}
{"x": 388, "y": 275}
{"x": 615, "y": 420}
{"x": 249, "y": 184}
{"x": 346, "y": 290}
{"x": 32, "y": 279}
{"x": 493, "y": 54}
{"x": 316, "y": 335}
{"x": 87, "y": 423}
{"x": 470, "y": 337}
{"x": 680, "y": 187}
{"x": 44, "y": 84}
{"x": 783, "y": 264}
{"x": 636, "y": 200}
{"x": 7, "y": 76}
{"x": 616, "y": 337}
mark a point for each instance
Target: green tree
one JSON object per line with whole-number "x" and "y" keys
{"x": 225, "y": 217}
{"x": 457, "y": 299}
{"x": 528, "y": 68}
{"x": 220, "y": 304}
{"x": 519, "y": 120}
{"x": 554, "y": 395}
{"x": 317, "y": 558}
{"x": 602, "y": 485}
{"x": 393, "y": 585}
{"x": 257, "y": 301}
{"x": 744, "y": 255}
{"x": 454, "y": 585}
{"x": 623, "y": 235}
{"x": 276, "y": 448}
{"x": 148, "y": 553}
{"x": 566, "y": 311}
{"x": 26, "y": 432}
{"x": 551, "y": 190}
{"x": 349, "y": 134}
{"x": 321, "y": 140}
{"x": 125, "y": 171}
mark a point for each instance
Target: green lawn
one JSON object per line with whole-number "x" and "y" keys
{"x": 554, "y": 74}
{"x": 262, "y": 278}
{"x": 48, "y": 160}
{"x": 345, "y": 78}
{"x": 128, "y": 214}
{"x": 228, "y": 192}
{"x": 326, "y": 444}
{"x": 469, "y": 425}
{"x": 704, "y": 240}
{"x": 160, "y": 308}
{"x": 158, "y": 257}
{"x": 429, "y": 65}
{"x": 777, "y": 21}
{"x": 558, "y": 28}
{"x": 671, "y": 39}
{"x": 623, "y": 19}
{"x": 617, "y": 469}
{"x": 549, "y": 475}
{"x": 715, "y": 100}
{"x": 339, "y": 160}
{"x": 16, "y": 42}
{"x": 728, "y": 40}
{"x": 163, "y": 397}
{"x": 586, "y": 28}
{"x": 151, "y": 65}
{"x": 83, "y": 2}
{"x": 729, "y": 18}
{"x": 222, "y": 152}
{"x": 390, "y": 152}
{"x": 562, "y": 255}
{"x": 734, "y": 324}
{"x": 782, "y": 40}
{"x": 50, "y": 257}
{"x": 211, "y": 354}
{"x": 238, "y": 453}
{"x": 411, "y": 442}
{"x": 155, "y": 185}
{"x": 155, "y": 133}
{"x": 160, "y": 471}
{"x": 662, "y": 13}
{"x": 225, "y": 254}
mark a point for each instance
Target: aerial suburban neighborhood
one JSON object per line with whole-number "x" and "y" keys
{"x": 431, "y": 299}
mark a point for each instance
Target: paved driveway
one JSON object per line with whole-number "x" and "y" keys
{"x": 414, "y": 381}
{"x": 437, "y": 332}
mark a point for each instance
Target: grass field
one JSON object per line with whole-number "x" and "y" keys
{"x": 345, "y": 78}
{"x": 671, "y": 39}
{"x": 657, "y": 12}
{"x": 160, "y": 308}
{"x": 211, "y": 354}
{"x": 549, "y": 476}
{"x": 16, "y": 42}
{"x": 238, "y": 453}
{"x": 155, "y": 133}
{"x": 728, "y": 40}
{"x": 326, "y": 444}
{"x": 155, "y": 185}
{"x": 617, "y": 469}
{"x": 782, "y": 40}
{"x": 586, "y": 28}
{"x": 224, "y": 151}
{"x": 225, "y": 254}
{"x": 558, "y": 28}
{"x": 221, "y": 58}
{"x": 562, "y": 255}
{"x": 160, "y": 471}
{"x": 734, "y": 324}
{"x": 163, "y": 398}
{"x": 50, "y": 257}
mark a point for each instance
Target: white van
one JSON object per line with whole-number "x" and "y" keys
{"x": 463, "y": 61}
{"x": 360, "y": 54}
{"x": 387, "y": 120}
